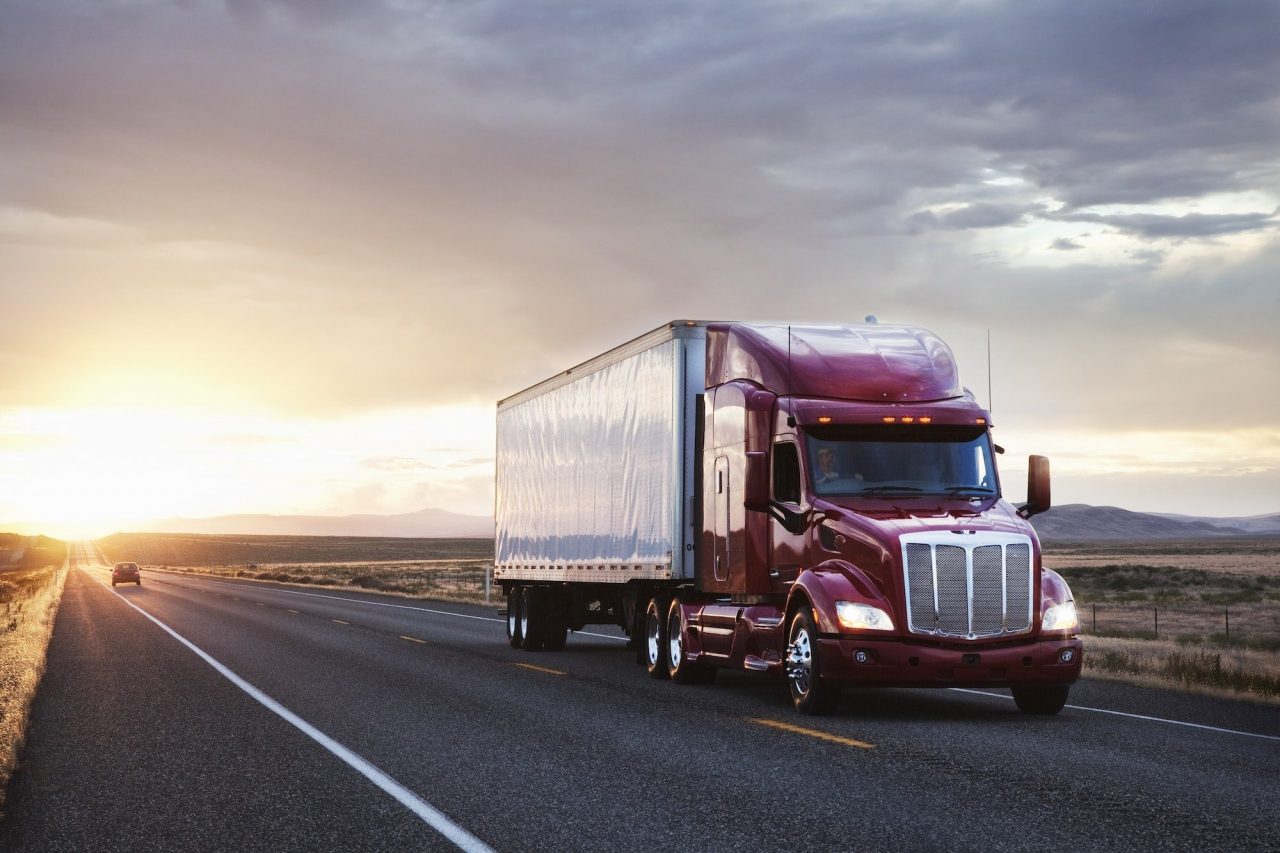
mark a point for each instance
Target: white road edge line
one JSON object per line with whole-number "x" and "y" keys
{"x": 1133, "y": 716}
{"x": 429, "y": 813}
{"x": 374, "y": 603}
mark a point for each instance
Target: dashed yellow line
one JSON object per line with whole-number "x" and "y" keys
{"x": 548, "y": 670}
{"x": 339, "y": 621}
{"x": 814, "y": 733}
{"x": 412, "y": 639}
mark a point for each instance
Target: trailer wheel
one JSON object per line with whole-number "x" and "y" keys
{"x": 810, "y": 694}
{"x": 683, "y": 670}
{"x": 533, "y": 618}
{"x": 655, "y": 638}
{"x": 557, "y": 623}
{"x": 515, "y": 631}
{"x": 1041, "y": 699}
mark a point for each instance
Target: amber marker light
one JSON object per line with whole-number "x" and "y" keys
{"x": 824, "y": 419}
{"x": 980, "y": 420}
{"x": 907, "y": 419}
{"x": 926, "y": 420}
{"x": 888, "y": 419}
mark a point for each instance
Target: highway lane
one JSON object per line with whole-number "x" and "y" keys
{"x": 576, "y": 750}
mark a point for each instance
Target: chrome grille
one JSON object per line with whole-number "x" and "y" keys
{"x": 981, "y": 588}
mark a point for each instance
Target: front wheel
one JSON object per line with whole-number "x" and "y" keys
{"x": 810, "y": 694}
{"x": 1041, "y": 699}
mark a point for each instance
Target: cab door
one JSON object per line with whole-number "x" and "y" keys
{"x": 786, "y": 549}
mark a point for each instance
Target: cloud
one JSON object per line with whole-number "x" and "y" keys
{"x": 1189, "y": 225}
{"x": 977, "y": 215}
{"x": 1065, "y": 244}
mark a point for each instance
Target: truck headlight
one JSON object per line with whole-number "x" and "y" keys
{"x": 863, "y": 617}
{"x": 1061, "y": 617}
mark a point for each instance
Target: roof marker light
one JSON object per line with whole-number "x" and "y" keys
{"x": 888, "y": 419}
{"x": 908, "y": 419}
{"x": 824, "y": 419}
{"x": 925, "y": 419}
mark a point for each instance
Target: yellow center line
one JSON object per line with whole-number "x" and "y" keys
{"x": 800, "y": 730}
{"x": 339, "y": 621}
{"x": 413, "y": 639}
{"x": 548, "y": 670}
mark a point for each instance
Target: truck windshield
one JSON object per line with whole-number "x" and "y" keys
{"x": 901, "y": 460}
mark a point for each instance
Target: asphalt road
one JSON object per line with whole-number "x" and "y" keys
{"x": 298, "y": 720}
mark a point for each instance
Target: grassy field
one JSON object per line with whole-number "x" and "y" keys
{"x": 29, "y": 596}
{"x": 452, "y": 569}
{"x": 1200, "y": 615}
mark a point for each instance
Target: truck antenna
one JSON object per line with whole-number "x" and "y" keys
{"x": 991, "y": 406}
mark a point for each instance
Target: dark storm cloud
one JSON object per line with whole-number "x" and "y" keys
{"x": 1187, "y": 225}
{"x": 449, "y": 200}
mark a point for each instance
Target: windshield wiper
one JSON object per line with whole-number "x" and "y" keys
{"x": 887, "y": 490}
{"x": 968, "y": 490}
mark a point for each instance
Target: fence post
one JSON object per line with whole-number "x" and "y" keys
{"x": 1226, "y": 618}
{"x": 1157, "y": 626}
{"x": 487, "y": 582}
{"x": 1095, "y": 619}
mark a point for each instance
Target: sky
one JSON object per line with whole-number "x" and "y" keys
{"x": 284, "y": 256}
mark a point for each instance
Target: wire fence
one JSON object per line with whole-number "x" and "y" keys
{"x": 1243, "y": 624}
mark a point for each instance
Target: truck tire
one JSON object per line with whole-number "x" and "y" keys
{"x": 533, "y": 618}
{"x": 1040, "y": 698}
{"x": 557, "y": 630}
{"x": 683, "y": 670}
{"x": 514, "y": 632}
{"x": 810, "y": 694}
{"x": 655, "y": 638}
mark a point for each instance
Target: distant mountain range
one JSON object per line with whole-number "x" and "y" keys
{"x": 1067, "y": 523}
{"x": 1085, "y": 523}
{"x": 423, "y": 524}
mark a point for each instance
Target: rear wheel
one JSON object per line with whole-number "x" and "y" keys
{"x": 655, "y": 638}
{"x": 810, "y": 694}
{"x": 1041, "y": 699}
{"x": 139, "y": 582}
{"x": 533, "y": 618}
{"x": 514, "y": 632}
{"x": 683, "y": 670}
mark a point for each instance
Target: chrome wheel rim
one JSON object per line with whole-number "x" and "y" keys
{"x": 800, "y": 661}
{"x": 651, "y": 634}
{"x": 524, "y": 618}
{"x": 511, "y": 620}
{"x": 675, "y": 642}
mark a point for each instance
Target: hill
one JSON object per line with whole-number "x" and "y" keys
{"x": 1085, "y": 523}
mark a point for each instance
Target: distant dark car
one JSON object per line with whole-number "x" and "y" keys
{"x": 125, "y": 572}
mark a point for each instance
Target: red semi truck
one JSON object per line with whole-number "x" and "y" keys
{"x": 814, "y": 502}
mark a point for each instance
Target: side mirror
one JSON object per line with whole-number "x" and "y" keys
{"x": 1037, "y": 486}
{"x": 756, "y": 488}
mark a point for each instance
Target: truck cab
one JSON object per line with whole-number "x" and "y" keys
{"x": 854, "y": 530}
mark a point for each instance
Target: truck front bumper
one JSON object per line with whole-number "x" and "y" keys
{"x": 893, "y": 663}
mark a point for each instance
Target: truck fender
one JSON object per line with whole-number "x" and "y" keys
{"x": 829, "y": 582}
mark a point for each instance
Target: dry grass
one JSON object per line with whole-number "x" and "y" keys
{"x": 444, "y": 580}
{"x": 29, "y": 598}
{"x": 1237, "y": 673}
